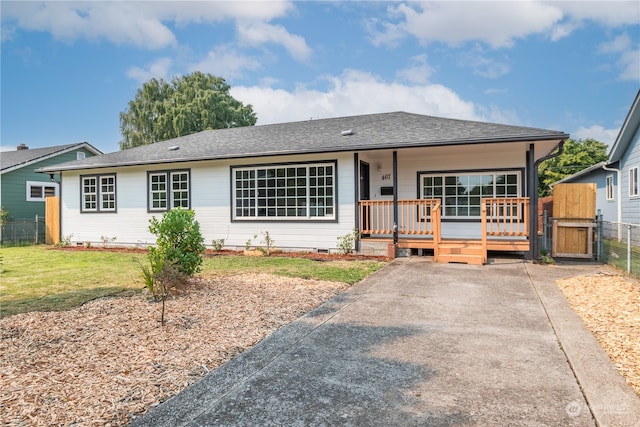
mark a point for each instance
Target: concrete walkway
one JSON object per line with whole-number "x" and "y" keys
{"x": 427, "y": 344}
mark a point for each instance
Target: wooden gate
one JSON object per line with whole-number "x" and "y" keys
{"x": 574, "y": 213}
{"x": 52, "y": 220}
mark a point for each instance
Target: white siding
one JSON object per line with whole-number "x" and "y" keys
{"x": 210, "y": 199}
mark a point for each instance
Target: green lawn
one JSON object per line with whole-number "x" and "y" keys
{"x": 43, "y": 278}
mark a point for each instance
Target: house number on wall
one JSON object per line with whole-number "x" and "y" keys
{"x": 386, "y": 177}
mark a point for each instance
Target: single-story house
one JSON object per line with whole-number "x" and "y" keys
{"x": 457, "y": 187}
{"x": 22, "y": 190}
{"x": 618, "y": 178}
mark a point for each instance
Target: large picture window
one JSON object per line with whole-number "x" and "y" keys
{"x": 460, "y": 194}
{"x": 297, "y": 191}
{"x": 168, "y": 189}
{"x": 98, "y": 193}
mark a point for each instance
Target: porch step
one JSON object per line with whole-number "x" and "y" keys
{"x": 461, "y": 252}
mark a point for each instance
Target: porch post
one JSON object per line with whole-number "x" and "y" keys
{"x": 395, "y": 197}
{"x": 532, "y": 184}
{"x": 356, "y": 186}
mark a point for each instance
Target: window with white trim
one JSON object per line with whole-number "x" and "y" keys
{"x": 168, "y": 190}
{"x": 38, "y": 190}
{"x": 460, "y": 194}
{"x": 291, "y": 192}
{"x": 98, "y": 193}
{"x": 633, "y": 182}
{"x": 609, "y": 187}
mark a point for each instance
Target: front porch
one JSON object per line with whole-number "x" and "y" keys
{"x": 417, "y": 224}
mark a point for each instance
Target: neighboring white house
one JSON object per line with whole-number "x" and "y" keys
{"x": 618, "y": 179}
{"x": 308, "y": 183}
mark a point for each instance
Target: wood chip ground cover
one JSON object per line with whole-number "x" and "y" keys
{"x": 108, "y": 360}
{"x": 609, "y": 305}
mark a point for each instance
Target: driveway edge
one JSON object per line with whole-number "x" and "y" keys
{"x": 611, "y": 400}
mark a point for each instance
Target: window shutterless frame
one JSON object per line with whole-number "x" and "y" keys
{"x": 37, "y": 191}
{"x": 98, "y": 193}
{"x": 462, "y": 192}
{"x": 634, "y": 184}
{"x": 168, "y": 189}
{"x": 284, "y": 192}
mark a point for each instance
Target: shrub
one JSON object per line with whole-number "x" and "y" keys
{"x": 346, "y": 242}
{"x": 179, "y": 241}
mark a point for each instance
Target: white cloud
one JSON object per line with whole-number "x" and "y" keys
{"x": 597, "y": 132}
{"x": 258, "y": 33}
{"x": 629, "y": 57}
{"x": 117, "y": 22}
{"x": 497, "y": 23}
{"x": 351, "y": 93}
{"x": 418, "y": 72}
{"x": 159, "y": 69}
{"x": 8, "y": 148}
{"x": 225, "y": 62}
{"x": 482, "y": 65}
{"x": 146, "y": 24}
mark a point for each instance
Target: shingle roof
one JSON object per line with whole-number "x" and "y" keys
{"x": 21, "y": 158}
{"x": 369, "y": 132}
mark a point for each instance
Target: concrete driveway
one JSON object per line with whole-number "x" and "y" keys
{"x": 427, "y": 344}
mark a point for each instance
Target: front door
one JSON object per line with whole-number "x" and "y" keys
{"x": 365, "y": 194}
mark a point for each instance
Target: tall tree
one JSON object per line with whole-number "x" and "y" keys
{"x": 187, "y": 105}
{"x": 576, "y": 156}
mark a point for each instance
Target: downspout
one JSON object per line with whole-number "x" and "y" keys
{"x": 533, "y": 227}
{"x": 619, "y": 201}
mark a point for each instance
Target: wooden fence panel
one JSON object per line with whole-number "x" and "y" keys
{"x": 52, "y": 220}
{"x": 574, "y": 205}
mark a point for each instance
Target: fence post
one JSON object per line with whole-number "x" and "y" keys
{"x": 545, "y": 231}
{"x": 599, "y": 235}
{"x": 628, "y": 249}
{"x": 36, "y": 231}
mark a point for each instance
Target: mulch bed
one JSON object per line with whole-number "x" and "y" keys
{"x": 110, "y": 360}
{"x": 609, "y": 305}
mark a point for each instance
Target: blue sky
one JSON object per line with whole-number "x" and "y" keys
{"x": 70, "y": 68}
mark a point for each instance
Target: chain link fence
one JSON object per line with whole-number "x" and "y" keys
{"x": 618, "y": 244}
{"x": 23, "y": 231}
{"x": 614, "y": 243}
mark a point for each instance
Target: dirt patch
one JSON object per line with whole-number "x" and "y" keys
{"x": 609, "y": 305}
{"x": 109, "y": 360}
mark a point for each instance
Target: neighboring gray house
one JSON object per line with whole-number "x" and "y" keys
{"x": 457, "y": 187}
{"x": 618, "y": 179}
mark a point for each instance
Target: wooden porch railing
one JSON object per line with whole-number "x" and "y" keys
{"x": 505, "y": 217}
{"x": 415, "y": 217}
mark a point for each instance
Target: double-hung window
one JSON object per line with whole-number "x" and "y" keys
{"x": 98, "y": 193}
{"x": 634, "y": 184}
{"x": 609, "y": 187}
{"x": 461, "y": 194}
{"x": 285, "y": 192}
{"x": 168, "y": 190}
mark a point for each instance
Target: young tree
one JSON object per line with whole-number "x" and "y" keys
{"x": 576, "y": 156}
{"x": 187, "y": 105}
